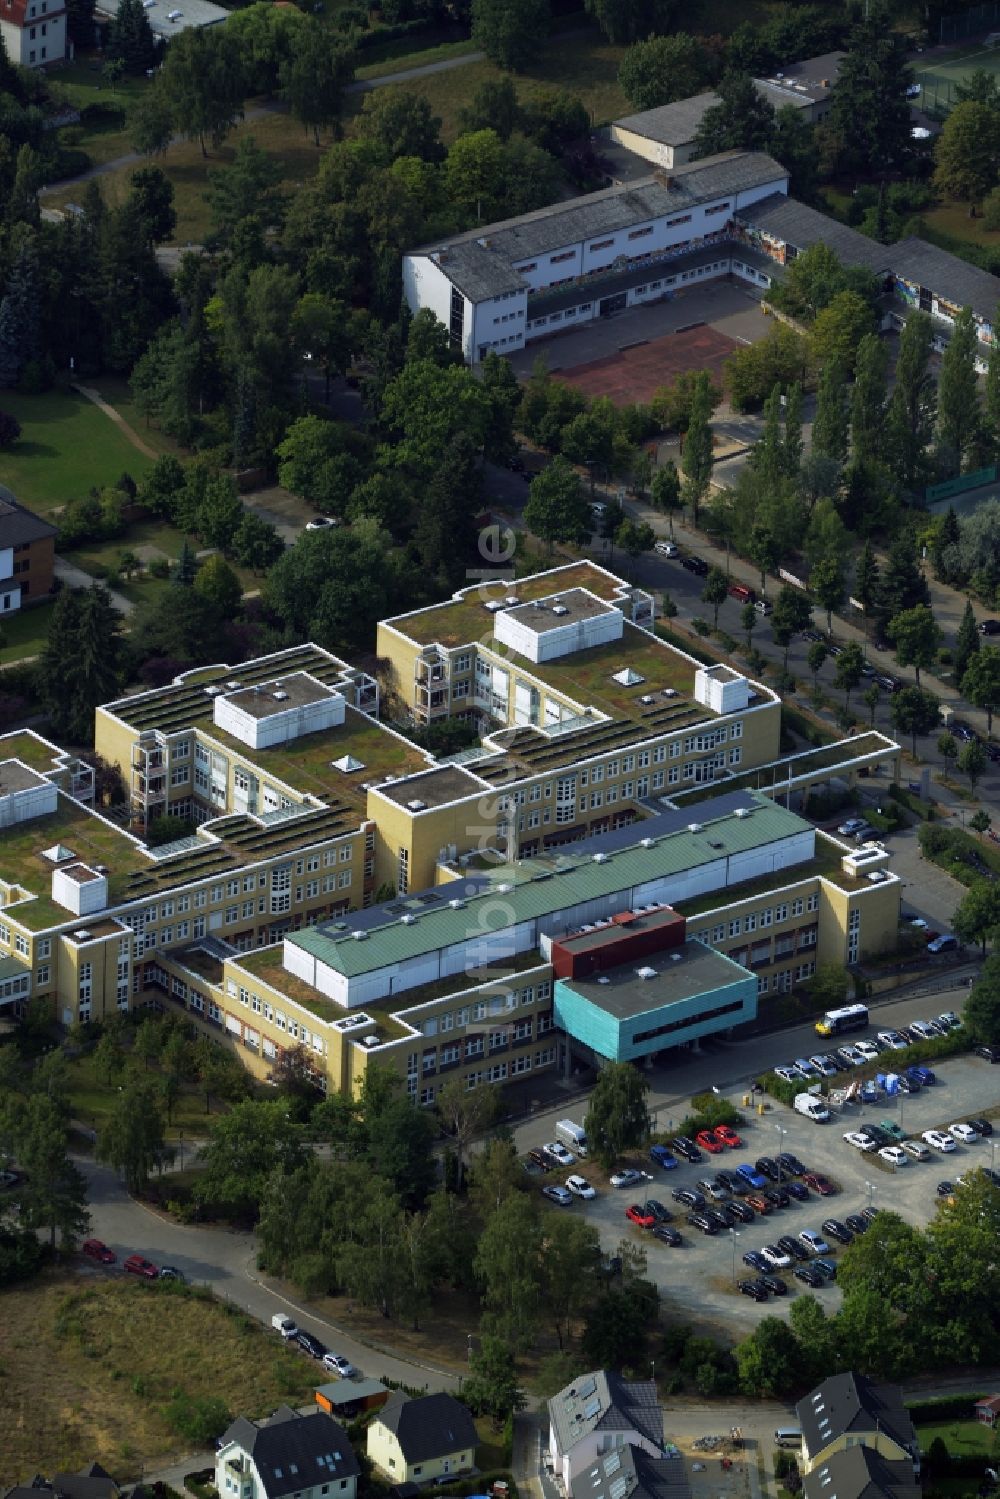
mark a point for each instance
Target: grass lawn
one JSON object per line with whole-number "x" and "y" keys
{"x": 952, "y": 219}
{"x": 115, "y": 390}
{"x": 90, "y": 1362}
{"x": 91, "y": 1100}
{"x": 962, "y": 1439}
{"x": 25, "y": 632}
{"x": 398, "y": 56}
{"x": 67, "y": 445}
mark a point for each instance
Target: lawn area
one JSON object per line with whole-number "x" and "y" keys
{"x": 91, "y": 1098}
{"x": 962, "y": 1439}
{"x": 115, "y": 390}
{"x": 90, "y": 1362}
{"x": 952, "y": 219}
{"x": 66, "y": 446}
{"x": 397, "y": 57}
{"x": 584, "y": 64}
{"x": 25, "y": 632}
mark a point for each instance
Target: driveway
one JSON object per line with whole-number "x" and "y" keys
{"x": 71, "y": 576}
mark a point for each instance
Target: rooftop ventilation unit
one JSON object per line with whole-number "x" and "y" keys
{"x": 416, "y": 805}
{"x": 409, "y": 919}
{"x": 669, "y": 692}
{"x": 457, "y": 905}
{"x": 213, "y": 691}
{"x": 504, "y": 889}
{"x": 676, "y": 957}
{"x": 600, "y": 858}
{"x": 645, "y": 843}
{"x": 512, "y": 599}
{"x": 281, "y": 697}
{"x": 559, "y": 609}
{"x": 647, "y": 698}
{"x": 603, "y": 979}
{"x": 360, "y": 936}
{"x": 714, "y": 843}
{"x": 233, "y": 685}
{"x": 81, "y": 935}
{"x": 743, "y": 811}
{"x": 370, "y": 1041}
{"x": 493, "y": 606}
{"x": 645, "y": 973}
{"x": 694, "y": 827}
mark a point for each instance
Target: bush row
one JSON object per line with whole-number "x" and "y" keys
{"x": 941, "y": 1407}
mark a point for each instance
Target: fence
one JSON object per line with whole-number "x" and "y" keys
{"x": 978, "y": 18}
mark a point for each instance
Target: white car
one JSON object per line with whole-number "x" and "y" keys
{"x": 666, "y": 549}
{"x": 338, "y": 1364}
{"x": 851, "y": 826}
{"x": 963, "y": 1132}
{"x": 559, "y": 1154}
{"x": 776, "y": 1258}
{"x": 949, "y": 1020}
{"x": 860, "y": 1142}
{"x": 895, "y": 1155}
{"x": 788, "y": 1074}
{"x": 852, "y": 1055}
{"x": 941, "y": 1142}
{"x": 893, "y": 1040}
{"x": 580, "y": 1186}
{"x": 320, "y": 523}
{"x": 628, "y": 1176}
{"x": 823, "y": 1065}
{"x": 913, "y": 90}
{"x": 917, "y": 1149}
{"x": 814, "y": 1241}
{"x": 868, "y": 1050}
{"x": 924, "y": 1029}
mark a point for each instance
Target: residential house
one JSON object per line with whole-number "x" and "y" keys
{"x": 629, "y": 1472}
{"x": 850, "y": 1410}
{"x": 861, "y": 1473}
{"x": 424, "y": 1440}
{"x": 27, "y": 543}
{"x": 33, "y": 31}
{"x": 600, "y": 1413}
{"x": 91, "y": 1482}
{"x": 289, "y": 1453}
{"x": 988, "y": 1410}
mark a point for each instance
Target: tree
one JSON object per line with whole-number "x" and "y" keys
{"x": 510, "y": 32}
{"x": 314, "y": 77}
{"x": 509, "y": 1266}
{"x": 967, "y": 642}
{"x": 792, "y": 614}
{"x": 959, "y": 416}
{"x": 131, "y": 1140}
{"x": 849, "y": 670}
{"x": 869, "y": 113}
{"x": 151, "y": 122}
{"x": 54, "y": 1194}
{"x": 770, "y": 1361}
{"x": 715, "y": 592}
{"x": 218, "y": 584}
{"x": 743, "y": 120}
{"x": 572, "y": 1255}
{"x": 661, "y": 68}
{"x": 977, "y": 915}
{"x": 494, "y": 107}
{"x": 980, "y": 683}
{"x": 81, "y": 665}
{"x": 981, "y": 1015}
{"x": 400, "y": 1150}
{"x": 867, "y": 579}
{"x": 247, "y": 186}
{"x": 465, "y": 1115}
{"x": 829, "y": 434}
{"x": 840, "y": 328}
{"x": 80, "y": 22}
{"x": 130, "y": 38}
{"x": 889, "y": 1260}
{"x": 972, "y": 762}
{"x": 947, "y": 747}
{"x": 665, "y": 492}
{"x": 967, "y": 153}
{"x": 617, "y": 1118}
{"x": 697, "y": 457}
{"x": 910, "y": 417}
{"x": 748, "y": 622}
{"x": 917, "y": 637}
{"x": 398, "y": 124}
{"x": 828, "y": 583}
{"x": 871, "y": 697}
{"x": 151, "y": 199}
{"x": 201, "y": 82}
{"x": 764, "y": 552}
{"x": 914, "y": 711}
{"x": 246, "y": 1145}
{"x": 618, "y": 1326}
{"x": 256, "y": 543}
{"x": 901, "y": 585}
{"x": 557, "y": 508}
{"x": 491, "y": 1387}
{"x": 815, "y": 658}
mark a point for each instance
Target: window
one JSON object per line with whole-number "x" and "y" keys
{"x": 684, "y": 218}
{"x": 562, "y": 256}
{"x": 601, "y": 244}
{"x": 717, "y": 208}
{"x": 641, "y": 233}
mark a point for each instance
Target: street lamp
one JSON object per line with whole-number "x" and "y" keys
{"x": 733, "y": 1235}
{"x": 872, "y": 1190}
{"x": 782, "y": 1132}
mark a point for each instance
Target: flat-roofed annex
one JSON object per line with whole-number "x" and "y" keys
{"x": 17, "y": 777}
{"x": 433, "y": 788}
{"x": 664, "y": 978}
{"x": 559, "y": 609}
{"x": 267, "y": 698}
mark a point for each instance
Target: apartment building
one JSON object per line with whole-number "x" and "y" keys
{"x": 27, "y": 552}
{"x": 33, "y": 31}
{"x": 615, "y": 776}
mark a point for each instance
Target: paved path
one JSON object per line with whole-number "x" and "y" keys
{"x": 425, "y": 70}
{"x": 71, "y": 576}
{"x": 118, "y": 419}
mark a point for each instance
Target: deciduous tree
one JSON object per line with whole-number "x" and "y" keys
{"x": 914, "y": 711}
{"x": 557, "y": 508}
{"x": 661, "y": 68}
{"x": 917, "y": 637}
{"x": 510, "y": 32}
{"x": 617, "y": 1118}
{"x": 981, "y": 682}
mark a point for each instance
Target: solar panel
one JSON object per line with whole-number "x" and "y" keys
{"x": 588, "y": 1387}
{"x": 612, "y": 1463}
{"x": 591, "y": 1408}
{"x": 619, "y": 1488}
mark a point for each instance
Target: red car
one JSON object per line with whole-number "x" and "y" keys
{"x": 136, "y": 1265}
{"x": 728, "y": 1136}
{"x": 758, "y": 1203}
{"x": 640, "y": 1216}
{"x": 708, "y": 1140}
{"x": 95, "y": 1250}
{"x": 819, "y": 1183}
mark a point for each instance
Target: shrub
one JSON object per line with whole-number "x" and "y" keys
{"x": 10, "y": 429}
{"x": 942, "y": 1407}
{"x": 197, "y": 1418}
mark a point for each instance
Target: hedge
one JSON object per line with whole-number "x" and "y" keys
{"x": 941, "y": 1407}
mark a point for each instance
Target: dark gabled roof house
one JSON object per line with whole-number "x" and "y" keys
{"x": 861, "y": 1473}
{"x": 291, "y": 1452}
{"x": 630, "y": 1472}
{"x": 429, "y": 1426}
{"x": 850, "y": 1409}
{"x": 603, "y": 1401}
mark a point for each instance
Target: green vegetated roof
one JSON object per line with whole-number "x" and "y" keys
{"x": 540, "y": 886}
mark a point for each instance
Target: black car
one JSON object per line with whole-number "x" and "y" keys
{"x": 876, "y": 1134}
{"x": 811, "y": 635}
{"x": 540, "y": 1159}
{"x": 171, "y": 1272}
{"x": 704, "y": 1222}
{"x": 736, "y": 1183}
{"x": 837, "y": 1230}
{"x": 311, "y": 1345}
{"x": 809, "y": 1275}
{"x": 826, "y": 1268}
{"x": 869, "y": 1214}
{"x": 988, "y": 1053}
{"x": 659, "y": 1212}
{"x": 755, "y": 1260}
{"x": 688, "y": 1196}
{"x": 989, "y": 627}
{"x": 754, "y": 1288}
{"x": 774, "y": 1285}
{"x": 741, "y": 1211}
{"x": 721, "y": 1216}
{"x": 946, "y": 1189}
{"x": 790, "y": 1164}
{"x": 791, "y": 1246}
{"x": 777, "y": 1196}
{"x": 685, "y": 1147}
{"x": 992, "y": 752}
{"x": 991, "y": 1175}
{"x": 667, "y": 1235}
{"x": 797, "y": 1190}
{"x": 962, "y": 731}
{"x": 981, "y": 1126}
{"x": 694, "y": 564}
{"x": 857, "y": 1224}
{"x": 768, "y": 1166}
{"x": 841, "y": 1064}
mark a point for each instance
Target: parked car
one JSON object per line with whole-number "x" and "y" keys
{"x": 851, "y": 826}
{"x": 963, "y": 1132}
{"x": 945, "y": 1189}
{"x": 806, "y": 1068}
{"x": 320, "y": 523}
{"x": 755, "y": 1259}
{"x": 751, "y": 1175}
{"x": 171, "y": 1272}
{"x": 824, "y": 1065}
{"x": 728, "y": 1136}
{"x": 797, "y": 1190}
{"x": 774, "y": 1284}
{"x": 850, "y": 1055}
{"x": 790, "y": 1164}
{"x": 776, "y": 1257}
{"x": 981, "y": 1126}
{"x": 628, "y": 1176}
{"x": 768, "y": 1167}
{"x": 659, "y": 1212}
{"x": 136, "y": 1264}
{"x": 558, "y": 1153}
{"x": 580, "y": 1187}
{"x": 763, "y": 606}
{"x": 759, "y": 1202}
{"x": 689, "y": 1197}
{"x": 696, "y": 565}
{"x": 788, "y": 1074}
{"x": 858, "y": 1140}
{"x": 741, "y": 1211}
{"x": 867, "y": 1049}
{"x": 944, "y": 943}
{"x": 857, "y": 1224}
{"x": 895, "y": 1155}
{"x": 282, "y": 1323}
{"x": 311, "y": 1345}
{"x": 792, "y": 1247}
{"x": 917, "y": 1149}
{"x": 559, "y": 1195}
{"x": 777, "y": 1195}
{"x": 703, "y": 1222}
{"x": 663, "y": 1157}
{"x": 640, "y": 1216}
{"x": 721, "y": 1217}
{"x": 989, "y": 627}
{"x": 942, "y": 1142}
{"x": 337, "y": 1364}
{"x": 892, "y": 1129}
{"x": 826, "y": 1268}
{"x": 753, "y": 1288}
{"x": 713, "y": 1188}
{"x": 667, "y": 1235}
{"x": 814, "y": 1241}
{"x": 922, "y": 1076}
{"x": 96, "y": 1249}
{"x": 666, "y": 549}
{"x": 732, "y": 1179}
{"x": 540, "y": 1159}
{"x": 893, "y": 1040}
{"x": 685, "y": 1147}
{"x": 837, "y": 1230}
{"x": 949, "y": 1020}
{"x": 819, "y": 1183}
{"x": 707, "y": 1139}
{"x": 809, "y": 1275}
{"x": 869, "y": 1214}
{"x": 988, "y": 1053}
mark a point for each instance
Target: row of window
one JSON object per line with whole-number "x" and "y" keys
{"x": 780, "y": 983}
{"x": 737, "y": 925}
{"x": 482, "y": 1009}
{"x": 499, "y": 1072}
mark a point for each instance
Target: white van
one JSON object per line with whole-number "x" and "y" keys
{"x": 573, "y": 1136}
{"x": 788, "y": 1436}
{"x": 283, "y": 1324}
{"x": 812, "y": 1106}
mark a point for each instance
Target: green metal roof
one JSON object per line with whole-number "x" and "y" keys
{"x": 542, "y": 885}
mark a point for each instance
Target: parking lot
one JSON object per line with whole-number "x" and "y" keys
{"x": 696, "y": 1280}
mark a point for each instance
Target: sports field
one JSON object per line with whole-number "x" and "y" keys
{"x": 633, "y": 374}
{"x": 939, "y": 75}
